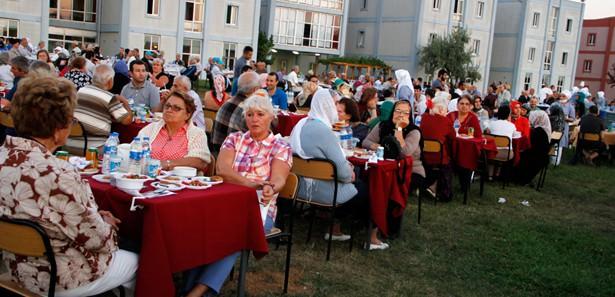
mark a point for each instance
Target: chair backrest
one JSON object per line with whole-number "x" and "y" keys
{"x": 303, "y": 110}
{"x": 210, "y": 114}
{"x": 211, "y": 169}
{"x": 77, "y": 130}
{"x": 432, "y": 146}
{"x": 290, "y": 187}
{"x": 321, "y": 169}
{"x": 209, "y": 125}
{"x": 6, "y": 120}
{"x": 555, "y": 135}
{"x": 591, "y": 137}
{"x": 500, "y": 141}
{"x": 27, "y": 238}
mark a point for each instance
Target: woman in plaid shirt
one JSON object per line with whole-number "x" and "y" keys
{"x": 256, "y": 159}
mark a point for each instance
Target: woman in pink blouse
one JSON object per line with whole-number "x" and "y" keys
{"x": 37, "y": 186}
{"x": 255, "y": 159}
{"x": 175, "y": 140}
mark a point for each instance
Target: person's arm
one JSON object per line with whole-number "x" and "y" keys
{"x": 194, "y": 162}
{"x": 283, "y": 101}
{"x": 120, "y": 110}
{"x": 279, "y": 172}
{"x": 224, "y": 168}
{"x": 372, "y": 141}
{"x": 411, "y": 143}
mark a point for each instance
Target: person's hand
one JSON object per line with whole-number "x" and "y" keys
{"x": 268, "y": 193}
{"x": 110, "y": 219}
{"x": 124, "y": 101}
{"x": 164, "y": 96}
{"x": 6, "y": 105}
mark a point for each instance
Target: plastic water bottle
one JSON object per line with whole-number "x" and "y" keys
{"x": 417, "y": 120}
{"x": 343, "y": 137}
{"x": 131, "y": 103}
{"x": 109, "y": 151}
{"x": 348, "y": 139}
{"x": 141, "y": 112}
{"x": 456, "y": 125}
{"x": 145, "y": 155}
{"x": 134, "y": 164}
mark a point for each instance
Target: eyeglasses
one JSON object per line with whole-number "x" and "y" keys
{"x": 464, "y": 103}
{"x": 173, "y": 107}
{"x": 403, "y": 112}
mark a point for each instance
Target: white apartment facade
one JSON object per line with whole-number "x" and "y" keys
{"x": 395, "y": 30}
{"x": 304, "y": 31}
{"x": 536, "y": 42}
{"x": 202, "y": 27}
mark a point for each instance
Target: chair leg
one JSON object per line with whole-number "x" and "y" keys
{"x": 122, "y": 291}
{"x": 309, "y": 235}
{"x": 330, "y": 233}
{"x": 287, "y": 268}
{"x": 420, "y": 202}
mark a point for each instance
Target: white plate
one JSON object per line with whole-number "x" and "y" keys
{"x": 88, "y": 171}
{"x": 463, "y": 136}
{"x": 100, "y": 178}
{"x": 171, "y": 187}
{"x": 196, "y": 187}
{"x": 205, "y": 179}
{"x": 171, "y": 178}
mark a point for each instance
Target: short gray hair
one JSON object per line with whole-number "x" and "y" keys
{"x": 194, "y": 58}
{"x": 103, "y": 73}
{"x": 247, "y": 81}
{"x": 185, "y": 81}
{"x": 158, "y": 61}
{"x": 259, "y": 101}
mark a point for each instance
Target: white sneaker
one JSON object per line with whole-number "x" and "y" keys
{"x": 341, "y": 237}
{"x": 378, "y": 246}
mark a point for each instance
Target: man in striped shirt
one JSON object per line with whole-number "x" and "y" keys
{"x": 97, "y": 108}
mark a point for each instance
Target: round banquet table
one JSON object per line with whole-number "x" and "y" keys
{"x": 128, "y": 132}
{"x": 185, "y": 230}
{"x": 384, "y": 188}
{"x": 468, "y": 152}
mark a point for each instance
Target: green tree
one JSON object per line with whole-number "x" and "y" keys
{"x": 451, "y": 53}
{"x": 264, "y": 47}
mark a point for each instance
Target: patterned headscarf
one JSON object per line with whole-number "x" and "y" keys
{"x": 220, "y": 86}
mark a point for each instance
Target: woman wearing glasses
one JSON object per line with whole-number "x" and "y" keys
{"x": 463, "y": 118}
{"x": 175, "y": 140}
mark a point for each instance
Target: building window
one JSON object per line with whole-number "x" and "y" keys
{"x": 548, "y": 55}
{"x": 299, "y": 27}
{"x": 553, "y": 25}
{"x": 564, "y": 58}
{"x": 475, "y": 47}
{"x": 531, "y": 55}
{"x": 432, "y": 36}
{"x": 75, "y": 10}
{"x": 527, "y": 81}
{"x": 191, "y": 47}
{"x": 568, "y": 25}
{"x": 193, "y": 21}
{"x": 436, "y": 4}
{"x": 536, "y": 20}
{"x": 560, "y": 83}
{"x": 229, "y": 54}
{"x": 458, "y": 10}
{"x": 9, "y": 28}
{"x": 232, "y": 13}
{"x": 328, "y": 4}
{"x": 151, "y": 42}
{"x": 587, "y": 66}
{"x": 153, "y": 7}
{"x": 546, "y": 79}
{"x": 480, "y": 9}
{"x": 591, "y": 39}
{"x": 65, "y": 37}
{"x": 361, "y": 39}
{"x": 364, "y": 6}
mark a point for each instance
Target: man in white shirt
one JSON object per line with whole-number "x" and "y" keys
{"x": 293, "y": 80}
{"x": 544, "y": 93}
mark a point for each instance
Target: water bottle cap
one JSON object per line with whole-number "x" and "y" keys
{"x": 115, "y": 134}
{"x": 145, "y": 138}
{"x": 136, "y": 138}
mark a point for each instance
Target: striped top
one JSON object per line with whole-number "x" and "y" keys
{"x": 97, "y": 109}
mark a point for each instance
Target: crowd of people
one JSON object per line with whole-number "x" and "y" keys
{"x": 50, "y": 92}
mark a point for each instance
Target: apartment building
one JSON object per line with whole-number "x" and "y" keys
{"x": 596, "y": 55}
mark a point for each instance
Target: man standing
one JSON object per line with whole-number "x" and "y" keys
{"x": 97, "y": 108}
{"x": 441, "y": 81}
{"x": 293, "y": 80}
{"x": 278, "y": 97}
{"x": 141, "y": 91}
{"x": 239, "y": 64}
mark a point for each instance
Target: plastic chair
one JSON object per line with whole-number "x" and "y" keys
{"x": 505, "y": 165}
{"x": 431, "y": 146}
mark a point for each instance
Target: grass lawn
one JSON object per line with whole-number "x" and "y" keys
{"x": 563, "y": 244}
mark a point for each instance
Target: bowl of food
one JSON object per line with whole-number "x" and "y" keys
{"x": 130, "y": 181}
{"x": 184, "y": 171}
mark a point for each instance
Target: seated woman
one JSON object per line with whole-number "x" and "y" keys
{"x": 480, "y": 112}
{"x": 304, "y": 98}
{"x": 39, "y": 187}
{"x": 175, "y": 140}
{"x": 436, "y": 126}
{"x": 217, "y": 96}
{"x": 537, "y": 156}
{"x": 386, "y": 109}
{"x": 348, "y": 111}
{"x": 368, "y": 105}
{"x": 464, "y": 118}
{"x": 318, "y": 125}
{"x": 159, "y": 78}
{"x": 255, "y": 159}
{"x": 522, "y": 124}
{"x": 77, "y": 73}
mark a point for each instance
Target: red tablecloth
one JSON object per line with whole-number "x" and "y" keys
{"x": 383, "y": 187}
{"x": 286, "y": 123}
{"x": 186, "y": 230}
{"x": 128, "y": 132}
{"x": 519, "y": 145}
{"x": 468, "y": 151}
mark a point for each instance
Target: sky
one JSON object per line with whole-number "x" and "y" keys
{"x": 597, "y": 9}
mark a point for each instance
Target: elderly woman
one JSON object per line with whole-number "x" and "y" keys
{"x": 175, "y": 140}
{"x": 537, "y": 156}
{"x": 348, "y": 111}
{"x": 78, "y": 73}
{"x": 217, "y": 96}
{"x": 255, "y": 159}
{"x": 39, "y": 187}
{"x": 159, "y": 78}
{"x": 352, "y": 197}
{"x": 522, "y": 124}
{"x": 463, "y": 118}
{"x": 304, "y": 99}
{"x": 436, "y": 126}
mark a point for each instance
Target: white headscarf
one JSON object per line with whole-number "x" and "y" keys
{"x": 404, "y": 79}
{"x": 539, "y": 118}
{"x": 322, "y": 109}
